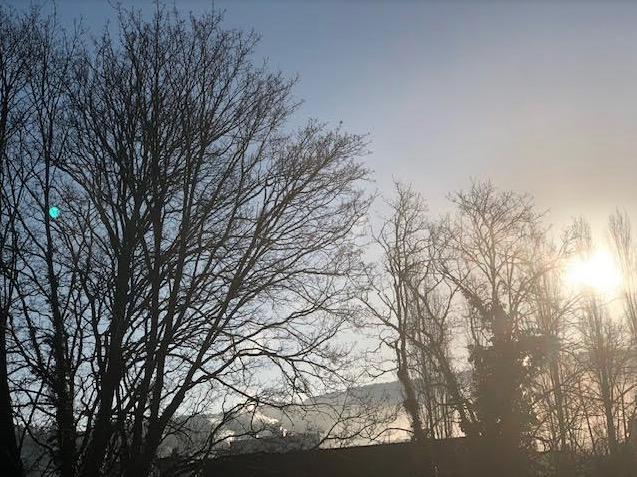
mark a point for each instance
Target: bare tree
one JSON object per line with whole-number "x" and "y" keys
{"x": 50, "y": 292}
{"x": 621, "y": 239}
{"x": 605, "y": 355}
{"x": 402, "y": 242}
{"x": 561, "y": 412}
{"x": 14, "y": 64}
{"x": 414, "y": 307}
{"x": 391, "y": 301}
{"x": 202, "y": 250}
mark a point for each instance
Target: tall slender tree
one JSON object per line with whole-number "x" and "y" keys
{"x": 14, "y": 65}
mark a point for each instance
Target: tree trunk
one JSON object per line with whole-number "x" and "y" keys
{"x": 607, "y": 398}
{"x": 411, "y": 401}
{"x": 114, "y": 370}
{"x": 10, "y": 462}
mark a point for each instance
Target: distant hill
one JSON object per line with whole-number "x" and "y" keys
{"x": 365, "y": 414}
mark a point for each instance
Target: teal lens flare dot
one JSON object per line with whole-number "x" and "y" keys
{"x": 54, "y": 212}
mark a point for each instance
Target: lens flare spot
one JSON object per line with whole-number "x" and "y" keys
{"x": 54, "y": 212}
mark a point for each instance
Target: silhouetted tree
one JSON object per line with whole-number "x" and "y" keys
{"x": 494, "y": 255}
{"x": 204, "y": 254}
{"x": 605, "y": 354}
{"x": 622, "y": 244}
{"x": 14, "y": 59}
{"x": 559, "y": 418}
{"x": 226, "y": 241}
{"x": 402, "y": 242}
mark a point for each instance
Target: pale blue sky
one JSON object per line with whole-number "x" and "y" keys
{"x": 538, "y": 96}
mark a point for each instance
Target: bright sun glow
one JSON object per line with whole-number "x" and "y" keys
{"x": 597, "y": 272}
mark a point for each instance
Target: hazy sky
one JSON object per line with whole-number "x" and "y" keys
{"x": 540, "y": 96}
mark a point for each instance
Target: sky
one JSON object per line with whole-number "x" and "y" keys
{"x": 540, "y": 97}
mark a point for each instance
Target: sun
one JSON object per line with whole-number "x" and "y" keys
{"x": 596, "y": 272}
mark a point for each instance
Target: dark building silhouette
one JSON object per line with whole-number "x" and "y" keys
{"x": 404, "y": 459}
{"x": 458, "y": 457}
